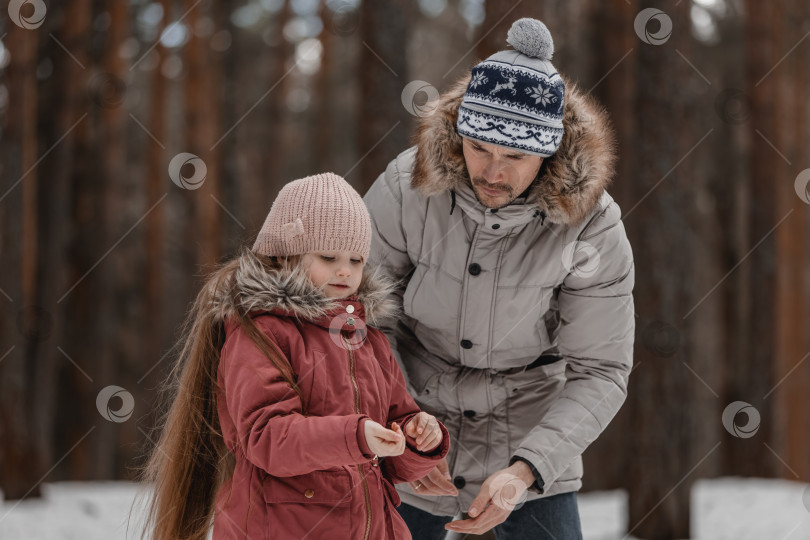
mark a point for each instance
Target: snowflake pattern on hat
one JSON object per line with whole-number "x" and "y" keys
{"x": 478, "y": 79}
{"x": 502, "y": 88}
{"x": 542, "y": 94}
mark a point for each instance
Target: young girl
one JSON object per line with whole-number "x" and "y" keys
{"x": 285, "y": 396}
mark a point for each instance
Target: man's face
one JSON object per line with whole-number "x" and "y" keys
{"x": 498, "y": 174}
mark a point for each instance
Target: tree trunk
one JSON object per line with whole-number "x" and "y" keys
{"x": 232, "y": 168}
{"x": 666, "y": 455}
{"x": 23, "y": 458}
{"x": 115, "y": 278}
{"x": 70, "y": 366}
{"x": 775, "y": 341}
{"x": 202, "y": 131}
{"x": 794, "y": 290}
{"x": 383, "y": 76}
{"x": 157, "y": 185}
{"x": 606, "y": 461}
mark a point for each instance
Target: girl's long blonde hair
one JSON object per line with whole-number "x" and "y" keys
{"x": 191, "y": 462}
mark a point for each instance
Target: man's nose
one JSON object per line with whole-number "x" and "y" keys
{"x": 495, "y": 172}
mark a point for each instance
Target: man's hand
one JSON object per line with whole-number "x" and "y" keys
{"x": 437, "y": 482}
{"x": 503, "y": 490}
{"x": 423, "y": 432}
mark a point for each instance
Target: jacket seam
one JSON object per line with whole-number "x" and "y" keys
{"x": 585, "y": 235}
{"x": 590, "y": 412}
{"x": 462, "y": 319}
{"x": 416, "y": 288}
{"x": 573, "y": 292}
{"x": 417, "y": 260}
{"x": 278, "y": 342}
{"x": 548, "y": 285}
{"x": 605, "y": 283}
{"x": 492, "y": 317}
{"x": 440, "y": 269}
{"x": 398, "y": 179}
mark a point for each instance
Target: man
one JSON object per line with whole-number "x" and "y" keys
{"x": 518, "y": 322}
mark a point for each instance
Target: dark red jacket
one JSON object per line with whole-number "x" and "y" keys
{"x": 311, "y": 476}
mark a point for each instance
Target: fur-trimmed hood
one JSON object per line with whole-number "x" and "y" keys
{"x": 570, "y": 182}
{"x": 288, "y": 291}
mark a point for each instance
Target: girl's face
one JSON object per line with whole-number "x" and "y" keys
{"x": 339, "y": 271}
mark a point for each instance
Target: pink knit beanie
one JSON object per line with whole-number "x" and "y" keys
{"x": 317, "y": 213}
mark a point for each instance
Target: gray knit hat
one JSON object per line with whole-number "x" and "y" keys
{"x": 515, "y": 98}
{"x": 317, "y": 213}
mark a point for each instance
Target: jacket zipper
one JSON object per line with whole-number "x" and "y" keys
{"x": 359, "y": 465}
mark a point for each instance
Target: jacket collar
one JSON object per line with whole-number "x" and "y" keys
{"x": 570, "y": 182}
{"x": 518, "y": 212}
{"x": 290, "y": 293}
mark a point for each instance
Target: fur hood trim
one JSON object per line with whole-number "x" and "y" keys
{"x": 252, "y": 288}
{"x": 570, "y": 182}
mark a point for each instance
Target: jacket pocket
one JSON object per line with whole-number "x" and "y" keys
{"x": 314, "y": 505}
{"x": 330, "y": 486}
{"x": 428, "y": 398}
{"x": 433, "y": 297}
{"x": 410, "y": 290}
{"x": 531, "y": 395}
{"x": 519, "y": 327}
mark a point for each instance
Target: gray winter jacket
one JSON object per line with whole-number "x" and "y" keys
{"x": 485, "y": 294}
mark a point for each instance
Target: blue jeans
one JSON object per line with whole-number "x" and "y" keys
{"x": 550, "y": 518}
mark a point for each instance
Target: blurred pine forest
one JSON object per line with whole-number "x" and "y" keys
{"x": 144, "y": 142}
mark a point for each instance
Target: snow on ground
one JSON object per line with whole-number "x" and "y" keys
{"x": 724, "y": 508}
{"x": 734, "y": 508}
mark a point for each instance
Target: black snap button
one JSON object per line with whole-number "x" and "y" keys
{"x": 466, "y": 343}
{"x": 469, "y": 414}
{"x": 475, "y": 269}
{"x": 459, "y": 482}
{"x": 494, "y": 210}
{"x": 496, "y": 226}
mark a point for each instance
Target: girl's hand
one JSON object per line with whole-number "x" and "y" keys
{"x": 424, "y": 432}
{"x": 382, "y": 441}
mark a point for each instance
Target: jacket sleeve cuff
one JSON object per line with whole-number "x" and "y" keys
{"x": 353, "y": 427}
{"x": 361, "y": 439}
{"x": 538, "y": 484}
{"x": 404, "y": 421}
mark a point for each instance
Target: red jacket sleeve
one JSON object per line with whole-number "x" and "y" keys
{"x": 412, "y": 464}
{"x": 267, "y": 415}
